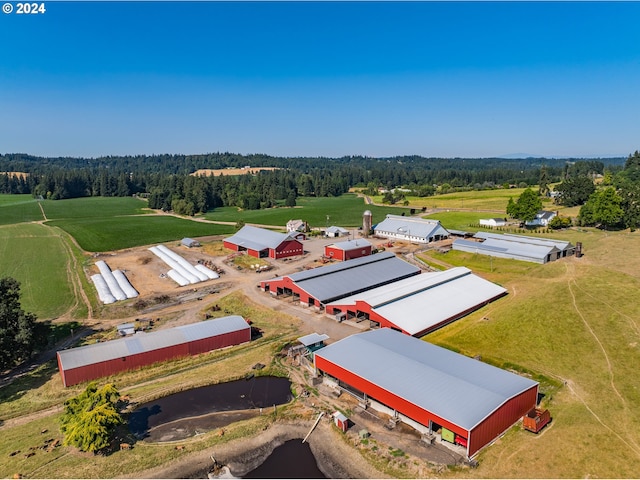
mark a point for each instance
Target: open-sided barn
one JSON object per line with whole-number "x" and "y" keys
{"x": 262, "y": 243}
{"x": 429, "y": 386}
{"x": 420, "y": 304}
{"x": 411, "y": 229}
{"x": 348, "y": 249}
{"x": 97, "y": 360}
{"x": 319, "y": 286}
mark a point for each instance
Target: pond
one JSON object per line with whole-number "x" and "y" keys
{"x": 292, "y": 459}
{"x": 182, "y": 415}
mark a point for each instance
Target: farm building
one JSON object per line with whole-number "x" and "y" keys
{"x": 543, "y": 217}
{"x": 190, "y": 242}
{"x": 334, "y": 231}
{"x": 517, "y": 247}
{"x": 262, "y": 243}
{"x": 89, "y": 362}
{"x": 421, "y": 304}
{"x": 411, "y": 229}
{"x": 296, "y": 226}
{"x": 319, "y": 286}
{"x": 493, "y": 222}
{"x": 348, "y": 250}
{"x": 428, "y": 387}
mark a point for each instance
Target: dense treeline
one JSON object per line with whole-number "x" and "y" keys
{"x": 167, "y": 181}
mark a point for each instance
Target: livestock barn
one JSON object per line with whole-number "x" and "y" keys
{"x": 411, "y": 229}
{"x": 262, "y": 243}
{"x": 421, "y": 304}
{"x": 348, "y": 250}
{"x": 319, "y": 286}
{"x": 89, "y": 362}
{"x": 432, "y": 388}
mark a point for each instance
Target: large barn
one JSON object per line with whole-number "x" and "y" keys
{"x": 429, "y": 387}
{"x": 411, "y": 229}
{"x": 89, "y": 362}
{"x": 348, "y": 249}
{"x": 421, "y": 304}
{"x": 517, "y": 247}
{"x": 319, "y": 286}
{"x": 262, "y": 243}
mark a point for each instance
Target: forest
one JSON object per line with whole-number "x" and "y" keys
{"x": 168, "y": 183}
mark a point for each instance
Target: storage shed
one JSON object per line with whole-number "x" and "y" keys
{"x": 421, "y": 304}
{"x": 190, "y": 242}
{"x": 348, "y": 250}
{"x": 81, "y": 364}
{"x": 319, "y": 286}
{"x": 429, "y": 387}
{"x": 262, "y": 243}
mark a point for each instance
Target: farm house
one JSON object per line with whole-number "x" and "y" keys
{"x": 421, "y": 304}
{"x": 319, "y": 286}
{"x": 81, "y": 364}
{"x": 435, "y": 390}
{"x": 517, "y": 247}
{"x": 262, "y": 243}
{"x": 411, "y": 229}
{"x": 348, "y": 249}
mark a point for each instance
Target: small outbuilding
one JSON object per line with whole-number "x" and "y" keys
{"x": 334, "y": 231}
{"x": 263, "y": 243}
{"x": 126, "y": 329}
{"x": 341, "y": 421}
{"x": 493, "y": 222}
{"x": 190, "y": 242}
{"x": 348, "y": 250}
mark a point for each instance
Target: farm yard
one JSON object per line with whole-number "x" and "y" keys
{"x": 573, "y": 325}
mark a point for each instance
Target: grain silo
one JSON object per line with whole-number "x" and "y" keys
{"x": 366, "y": 222}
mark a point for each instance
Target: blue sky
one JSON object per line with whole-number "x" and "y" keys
{"x": 468, "y": 79}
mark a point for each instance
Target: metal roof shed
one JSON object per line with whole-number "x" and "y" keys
{"x": 97, "y": 360}
{"x": 421, "y": 304}
{"x": 411, "y": 229}
{"x": 260, "y": 242}
{"x": 430, "y": 384}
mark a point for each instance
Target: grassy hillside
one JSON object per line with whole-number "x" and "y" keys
{"x": 18, "y": 209}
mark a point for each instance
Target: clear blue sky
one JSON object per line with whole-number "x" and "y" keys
{"x": 321, "y": 79}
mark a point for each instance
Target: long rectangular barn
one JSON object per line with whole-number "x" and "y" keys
{"x": 430, "y": 385}
{"x": 81, "y": 364}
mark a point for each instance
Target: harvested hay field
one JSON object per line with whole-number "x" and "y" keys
{"x": 207, "y": 172}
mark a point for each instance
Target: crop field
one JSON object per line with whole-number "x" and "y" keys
{"x": 37, "y": 257}
{"x": 575, "y": 322}
{"x": 94, "y": 207}
{"x": 19, "y": 209}
{"x": 115, "y": 233}
{"x": 344, "y": 211}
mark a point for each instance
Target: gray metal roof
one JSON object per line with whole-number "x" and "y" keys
{"x": 145, "y": 342}
{"x": 350, "y": 244}
{"x": 313, "y": 338}
{"x": 334, "y": 229}
{"x": 510, "y": 237}
{"x": 417, "y": 303}
{"x": 255, "y": 238}
{"x": 454, "y": 387}
{"x": 507, "y": 249}
{"x": 352, "y": 276}
{"x": 410, "y": 227}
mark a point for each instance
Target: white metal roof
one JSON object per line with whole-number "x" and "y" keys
{"x": 410, "y": 227}
{"x": 417, "y": 303}
{"x": 313, "y": 338}
{"x": 145, "y": 342}
{"x": 257, "y": 239}
{"x": 352, "y": 276}
{"x": 457, "y": 388}
{"x": 510, "y": 237}
{"x": 507, "y": 249}
{"x": 348, "y": 245}
{"x": 334, "y": 229}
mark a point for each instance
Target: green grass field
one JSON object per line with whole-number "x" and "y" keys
{"x": 19, "y": 209}
{"x": 115, "y": 233}
{"x": 37, "y": 257}
{"x": 94, "y": 207}
{"x": 344, "y": 211}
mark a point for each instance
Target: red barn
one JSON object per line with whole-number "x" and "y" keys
{"x": 421, "y": 304}
{"x": 437, "y": 391}
{"x": 348, "y": 250}
{"x": 89, "y": 362}
{"x": 262, "y": 243}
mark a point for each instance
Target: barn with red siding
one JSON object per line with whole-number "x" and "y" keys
{"x": 263, "y": 243}
{"x": 429, "y": 386}
{"x": 421, "y": 304}
{"x": 81, "y": 364}
{"x": 319, "y": 286}
{"x": 348, "y": 250}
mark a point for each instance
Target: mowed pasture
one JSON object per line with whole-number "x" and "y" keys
{"x": 19, "y": 209}
{"x": 344, "y": 211}
{"x": 575, "y": 322}
{"x": 39, "y": 259}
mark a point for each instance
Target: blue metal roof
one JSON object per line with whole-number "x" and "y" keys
{"x": 459, "y": 389}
